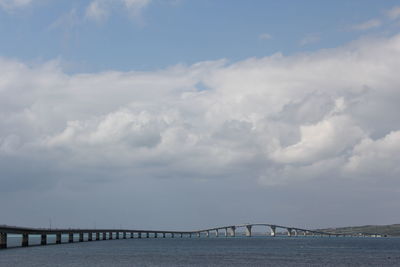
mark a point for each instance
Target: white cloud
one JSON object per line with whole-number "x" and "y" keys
{"x": 11, "y": 4}
{"x": 370, "y": 24}
{"x": 99, "y": 10}
{"x": 135, "y": 6}
{"x": 325, "y": 139}
{"x": 394, "y": 13}
{"x": 67, "y": 21}
{"x": 310, "y": 39}
{"x": 265, "y": 36}
{"x": 275, "y": 119}
{"x": 376, "y": 157}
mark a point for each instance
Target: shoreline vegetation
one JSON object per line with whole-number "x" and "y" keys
{"x": 383, "y": 230}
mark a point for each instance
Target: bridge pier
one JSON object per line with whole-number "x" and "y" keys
{"x": 124, "y": 235}
{"x": 58, "y": 238}
{"x": 155, "y": 235}
{"x": 70, "y": 237}
{"x": 80, "y": 237}
{"x": 131, "y": 234}
{"x": 216, "y": 233}
{"x": 233, "y": 232}
{"x": 163, "y": 235}
{"x": 97, "y": 236}
{"x": 104, "y": 236}
{"x": 295, "y": 232}
{"x": 117, "y": 235}
{"x": 190, "y": 235}
{"x": 147, "y": 235}
{"x": 172, "y": 235}
{"x": 198, "y": 234}
{"x": 3, "y": 240}
{"x": 110, "y": 235}
{"x": 140, "y": 235}
{"x": 90, "y": 236}
{"x": 273, "y": 230}
{"x": 43, "y": 239}
{"x": 207, "y": 233}
{"x": 226, "y": 232}
{"x": 289, "y": 231}
{"x": 248, "y": 230}
{"x": 25, "y": 240}
{"x": 181, "y": 235}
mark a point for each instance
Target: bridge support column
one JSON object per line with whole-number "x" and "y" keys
{"x": 273, "y": 230}
{"x": 58, "y": 238}
{"x": 43, "y": 239}
{"x": 181, "y": 235}
{"x": 233, "y": 232}
{"x": 80, "y": 237}
{"x": 110, "y": 235}
{"x": 198, "y": 234}
{"x": 289, "y": 231}
{"x": 155, "y": 235}
{"x": 295, "y": 232}
{"x": 172, "y": 235}
{"x": 248, "y": 230}
{"x": 131, "y": 234}
{"x": 226, "y": 232}
{"x": 163, "y": 235}
{"x": 216, "y": 233}
{"x": 207, "y": 233}
{"x": 25, "y": 240}
{"x": 147, "y": 235}
{"x": 139, "y": 235}
{"x": 117, "y": 236}
{"x": 70, "y": 237}
{"x": 3, "y": 240}
{"x": 97, "y": 236}
{"x": 124, "y": 235}
{"x": 104, "y": 236}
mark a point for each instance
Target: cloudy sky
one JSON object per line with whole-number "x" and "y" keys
{"x": 183, "y": 114}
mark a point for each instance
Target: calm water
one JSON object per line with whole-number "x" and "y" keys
{"x": 239, "y": 251}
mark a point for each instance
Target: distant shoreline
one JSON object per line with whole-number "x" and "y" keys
{"x": 388, "y": 230}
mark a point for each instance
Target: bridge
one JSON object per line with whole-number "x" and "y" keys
{"x": 109, "y": 234}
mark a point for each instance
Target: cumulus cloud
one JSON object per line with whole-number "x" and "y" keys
{"x": 274, "y": 120}
{"x": 370, "y": 24}
{"x": 376, "y": 158}
{"x": 99, "y": 10}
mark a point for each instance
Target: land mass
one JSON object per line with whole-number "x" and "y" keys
{"x": 383, "y": 230}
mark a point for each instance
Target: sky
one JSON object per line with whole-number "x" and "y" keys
{"x": 186, "y": 114}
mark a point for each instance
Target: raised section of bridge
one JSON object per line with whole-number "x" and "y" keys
{"x": 82, "y": 235}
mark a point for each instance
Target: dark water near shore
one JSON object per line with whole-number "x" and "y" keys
{"x": 239, "y": 251}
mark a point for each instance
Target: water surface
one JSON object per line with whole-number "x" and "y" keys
{"x": 239, "y": 251}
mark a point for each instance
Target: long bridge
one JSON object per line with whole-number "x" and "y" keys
{"x": 109, "y": 234}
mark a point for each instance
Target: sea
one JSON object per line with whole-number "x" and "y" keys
{"x": 212, "y": 251}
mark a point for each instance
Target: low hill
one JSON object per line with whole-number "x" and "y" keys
{"x": 384, "y": 230}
